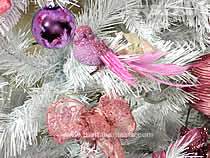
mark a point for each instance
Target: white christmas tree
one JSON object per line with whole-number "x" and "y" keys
{"x": 34, "y": 77}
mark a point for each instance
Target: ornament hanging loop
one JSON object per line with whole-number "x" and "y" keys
{"x": 50, "y": 3}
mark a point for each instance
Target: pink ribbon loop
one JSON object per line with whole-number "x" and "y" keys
{"x": 104, "y": 124}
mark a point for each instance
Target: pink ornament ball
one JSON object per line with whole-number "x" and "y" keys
{"x": 5, "y": 6}
{"x": 53, "y": 27}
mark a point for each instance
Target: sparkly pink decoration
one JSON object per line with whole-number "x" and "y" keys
{"x": 201, "y": 69}
{"x": 5, "y": 6}
{"x": 197, "y": 140}
{"x": 53, "y": 27}
{"x": 90, "y": 50}
{"x": 104, "y": 124}
{"x": 64, "y": 119}
{"x": 159, "y": 154}
{"x": 117, "y": 111}
{"x": 198, "y": 144}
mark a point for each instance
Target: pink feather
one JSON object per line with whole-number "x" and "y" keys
{"x": 146, "y": 58}
{"x": 161, "y": 69}
{"x": 145, "y": 65}
{"x": 116, "y": 66}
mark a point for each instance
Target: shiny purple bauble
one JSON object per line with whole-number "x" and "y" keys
{"x": 53, "y": 27}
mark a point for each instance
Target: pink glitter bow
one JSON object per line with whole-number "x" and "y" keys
{"x": 104, "y": 124}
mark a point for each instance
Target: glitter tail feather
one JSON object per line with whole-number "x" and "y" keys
{"x": 145, "y": 66}
{"x": 116, "y": 66}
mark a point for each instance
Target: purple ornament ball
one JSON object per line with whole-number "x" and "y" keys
{"x": 53, "y": 27}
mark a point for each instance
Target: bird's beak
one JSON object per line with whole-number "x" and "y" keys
{"x": 76, "y": 37}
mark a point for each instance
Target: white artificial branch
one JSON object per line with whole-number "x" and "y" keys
{"x": 20, "y": 128}
{"x": 154, "y": 110}
{"x": 77, "y": 75}
{"x": 61, "y": 3}
{"x": 11, "y": 18}
{"x": 103, "y": 15}
{"x": 26, "y": 69}
{"x": 48, "y": 148}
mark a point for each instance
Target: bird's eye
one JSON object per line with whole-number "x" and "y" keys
{"x": 84, "y": 36}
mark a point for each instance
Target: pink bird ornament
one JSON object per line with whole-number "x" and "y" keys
{"x": 90, "y": 50}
